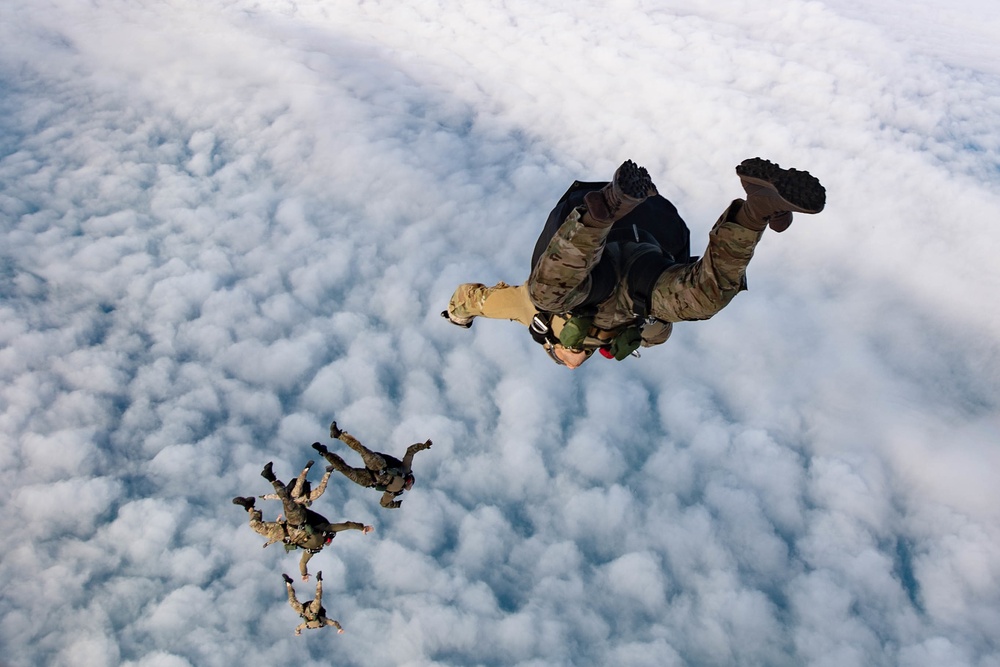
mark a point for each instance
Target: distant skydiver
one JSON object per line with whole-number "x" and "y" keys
{"x": 612, "y": 271}
{"x": 382, "y": 472}
{"x": 300, "y": 491}
{"x": 313, "y": 612}
{"x": 314, "y": 533}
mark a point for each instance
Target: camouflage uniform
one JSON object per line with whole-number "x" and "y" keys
{"x": 300, "y": 492}
{"x": 312, "y": 612}
{"x": 561, "y": 280}
{"x": 310, "y": 536}
{"x": 274, "y": 531}
{"x": 383, "y": 472}
{"x": 315, "y": 534}
{"x": 694, "y": 291}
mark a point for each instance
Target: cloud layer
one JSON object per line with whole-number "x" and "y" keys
{"x": 225, "y": 224}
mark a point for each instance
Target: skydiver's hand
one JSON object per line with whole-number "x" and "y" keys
{"x": 298, "y": 633}
{"x": 340, "y": 631}
{"x": 367, "y": 529}
{"x": 305, "y": 577}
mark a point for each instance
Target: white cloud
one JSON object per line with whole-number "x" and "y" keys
{"x": 224, "y": 225}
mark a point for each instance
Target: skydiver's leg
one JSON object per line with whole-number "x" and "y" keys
{"x": 373, "y": 460}
{"x": 361, "y": 476}
{"x": 295, "y": 514}
{"x": 699, "y": 290}
{"x": 292, "y": 600}
{"x": 560, "y": 279}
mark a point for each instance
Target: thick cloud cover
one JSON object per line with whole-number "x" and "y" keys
{"x": 226, "y": 223}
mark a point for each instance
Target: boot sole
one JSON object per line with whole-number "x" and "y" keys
{"x": 800, "y": 189}
{"x": 633, "y": 180}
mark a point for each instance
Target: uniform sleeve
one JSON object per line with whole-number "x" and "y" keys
{"x": 500, "y": 302}
{"x": 411, "y": 452}
{"x": 345, "y": 525}
{"x": 303, "y": 569}
{"x": 656, "y": 332}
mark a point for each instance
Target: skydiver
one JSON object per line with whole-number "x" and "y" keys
{"x": 382, "y": 472}
{"x": 314, "y": 533}
{"x": 301, "y": 492}
{"x": 598, "y": 285}
{"x": 313, "y": 612}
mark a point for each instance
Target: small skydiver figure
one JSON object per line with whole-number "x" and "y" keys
{"x": 301, "y": 491}
{"x": 382, "y": 472}
{"x": 611, "y": 270}
{"x": 313, "y": 612}
{"x": 311, "y": 536}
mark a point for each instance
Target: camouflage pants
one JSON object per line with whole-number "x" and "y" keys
{"x": 699, "y": 290}
{"x": 295, "y": 514}
{"x": 310, "y": 610}
{"x": 560, "y": 280}
{"x": 363, "y": 476}
{"x": 696, "y": 291}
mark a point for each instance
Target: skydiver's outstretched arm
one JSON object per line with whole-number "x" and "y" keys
{"x": 413, "y": 449}
{"x": 335, "y": 624}
{"x": 299, "y": 628}
{"x": 500, "y": 302}
{"x": 303, "y": 568}
{"x": 345, "y": 525}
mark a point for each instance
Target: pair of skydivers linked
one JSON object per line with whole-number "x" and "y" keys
{"x": 302, "y": 528}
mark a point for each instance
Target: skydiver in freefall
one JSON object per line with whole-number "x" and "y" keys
{"x": 382, "y": 472}
{"x": 611, "y": 270}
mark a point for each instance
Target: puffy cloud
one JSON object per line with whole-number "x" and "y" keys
{"x": 246, "y": 228}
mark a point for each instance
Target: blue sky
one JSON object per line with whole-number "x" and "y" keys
{"x": 226, "y": 223}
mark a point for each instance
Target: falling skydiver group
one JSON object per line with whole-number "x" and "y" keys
{"x": 301, "y": 528}
{"x": 611, "y": 272}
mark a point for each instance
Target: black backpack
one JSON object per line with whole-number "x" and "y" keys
{"x": 653, "y": 225}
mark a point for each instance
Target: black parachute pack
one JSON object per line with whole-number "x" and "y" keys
{"x": 652, "y": 237}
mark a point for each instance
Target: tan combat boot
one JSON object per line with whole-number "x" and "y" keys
{"x": 774, "y": 193}
{"x": 629, "y": 188}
